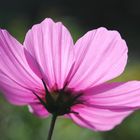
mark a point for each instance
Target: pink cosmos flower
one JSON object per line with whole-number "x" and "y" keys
{"x": 53, "y": 75}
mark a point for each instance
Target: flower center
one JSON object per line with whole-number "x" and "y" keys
{"x": 62, "y": 101}
{"x": 59, "y": 102}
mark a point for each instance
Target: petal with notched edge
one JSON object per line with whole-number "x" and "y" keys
{"x": 51, "y": 46}
{"x": 100, "y": 55}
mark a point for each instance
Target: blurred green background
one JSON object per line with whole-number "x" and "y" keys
{"x": 17, "y": 16}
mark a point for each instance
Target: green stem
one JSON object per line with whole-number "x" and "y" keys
{"x": 52, "y": 126}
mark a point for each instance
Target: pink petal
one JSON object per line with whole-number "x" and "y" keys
{"x": 101, "y": 55}
{"x": 51, "y": 46}
{"x": 107, "y": 105}
{"x": 14, "y": 92}
{"x": 98, "y": 119}
{"x": 38, "y": 109}
{"x": 115, "y": 96}
{"x": 16, "y": 77}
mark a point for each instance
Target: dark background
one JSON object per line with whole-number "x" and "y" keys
{"x": 17, "y": 16}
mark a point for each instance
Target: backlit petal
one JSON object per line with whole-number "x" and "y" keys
{"x": 107, "y": 105}
{"x": 98, "y": 119}
{"x": 51, "y": 46}
{"x": 16, "y": 77}
{"x": 38, "y": 109}
{"x": 101, "y": 55}
{"x": 115, "y": 96}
